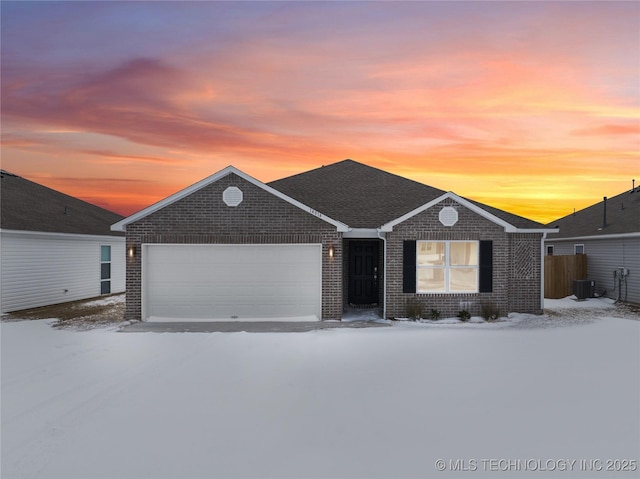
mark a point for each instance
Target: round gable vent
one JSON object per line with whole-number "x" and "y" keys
{"x": 232, "y": 196}
{"x": 448, "y": 216}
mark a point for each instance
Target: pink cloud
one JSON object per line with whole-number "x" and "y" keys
{"x": 111, "y": 157}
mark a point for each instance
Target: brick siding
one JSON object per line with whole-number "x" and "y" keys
{"x": 516, "y": 264}
{"x": 261, "y": 218}
{"x": 526, "y": 270}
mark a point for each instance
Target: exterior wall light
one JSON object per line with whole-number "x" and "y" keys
{"x": 131, "y": 251}
{"x": 331, "y": 251}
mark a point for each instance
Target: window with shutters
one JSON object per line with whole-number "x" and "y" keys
{"x": 447, "y": 266}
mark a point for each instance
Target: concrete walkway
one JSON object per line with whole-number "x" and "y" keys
{"x": 249, "y": 327}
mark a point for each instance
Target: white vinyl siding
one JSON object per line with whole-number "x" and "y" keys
{"x": 231, "y": 282}
{"x": 39, "y": 269}
{"x": 603, "y": 257}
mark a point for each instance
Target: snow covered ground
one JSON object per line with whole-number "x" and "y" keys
{"x": 414, "y": 400}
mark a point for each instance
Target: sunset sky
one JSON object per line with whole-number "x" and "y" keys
{"x": 532, "y": 107}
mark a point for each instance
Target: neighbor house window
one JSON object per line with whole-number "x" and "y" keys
{"x": 447, "y": 266}
{"x": 578, "y": 249}
{"x": 550, "y": 250}
{"x": 105, "y": 269}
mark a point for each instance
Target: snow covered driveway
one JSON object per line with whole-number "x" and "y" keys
{"x": 405, "y": 401}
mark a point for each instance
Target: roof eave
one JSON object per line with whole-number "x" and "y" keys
{"x": 595, "y": 237}
{"x": 56, "y": 234}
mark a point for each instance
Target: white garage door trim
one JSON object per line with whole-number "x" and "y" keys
{"x": 237, "y": 282}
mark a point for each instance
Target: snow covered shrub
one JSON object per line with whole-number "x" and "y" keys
{"x": 434, "y": 314}
{"x": 413, "y": 309}
{"x": 489, "y": 311}
{"x": 464, "y": 315}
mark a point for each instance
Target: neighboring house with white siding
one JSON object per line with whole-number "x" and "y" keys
{"x": 55, "y": 248}
{"x": 608, "y": 232}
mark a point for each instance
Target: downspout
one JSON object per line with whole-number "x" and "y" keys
{"x": 542, "y": 251}
{"x": 384, "y": 271}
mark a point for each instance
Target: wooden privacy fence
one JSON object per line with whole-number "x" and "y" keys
{"x": 560, "y": 272}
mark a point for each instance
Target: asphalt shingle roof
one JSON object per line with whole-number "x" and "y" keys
{"x": 623, "y": 216}
{"x": 29, "y": 206}
{"x": 356, "y": 194}
{"x": 365, "y": 197}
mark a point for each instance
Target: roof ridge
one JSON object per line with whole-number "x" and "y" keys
{"x": 321, "y": 167}
{"x": 362, "y": 165}
{"x": 361, "y": 195}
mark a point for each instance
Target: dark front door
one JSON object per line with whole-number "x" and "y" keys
{"x": 363, "y": 272}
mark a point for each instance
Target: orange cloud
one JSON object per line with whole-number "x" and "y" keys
{"x": 611, "y": 130}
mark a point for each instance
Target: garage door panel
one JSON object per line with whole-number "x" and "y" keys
{"x": 223, "y": 282}
{"x": 230, "y": 273}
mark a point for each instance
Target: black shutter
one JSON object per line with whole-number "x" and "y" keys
{"x": 409, "y": 267}
{"x": 486, "y": 266}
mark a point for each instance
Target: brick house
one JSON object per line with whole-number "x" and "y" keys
{"x": 310, "y": 246}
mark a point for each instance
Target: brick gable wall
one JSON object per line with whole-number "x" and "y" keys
{"x": 516, "y": 264}
{"x": 261, "y": 218}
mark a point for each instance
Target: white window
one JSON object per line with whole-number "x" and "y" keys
{"x": 447, "y": 266}
{"x": 578, "y": 249}
{"x": 105, "y": 269}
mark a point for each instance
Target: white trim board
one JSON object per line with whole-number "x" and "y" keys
{"x": 69, "y": 236}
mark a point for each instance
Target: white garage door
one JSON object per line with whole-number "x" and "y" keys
{"x": 232, "y": 282}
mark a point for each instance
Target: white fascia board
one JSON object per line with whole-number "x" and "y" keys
{"x": 121, "y": 225}
{"x": 69, "y": 236}
{"x": 361, "y": 233}
{"x": 449, "y": 195}
{"x": 594, "y": 237}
